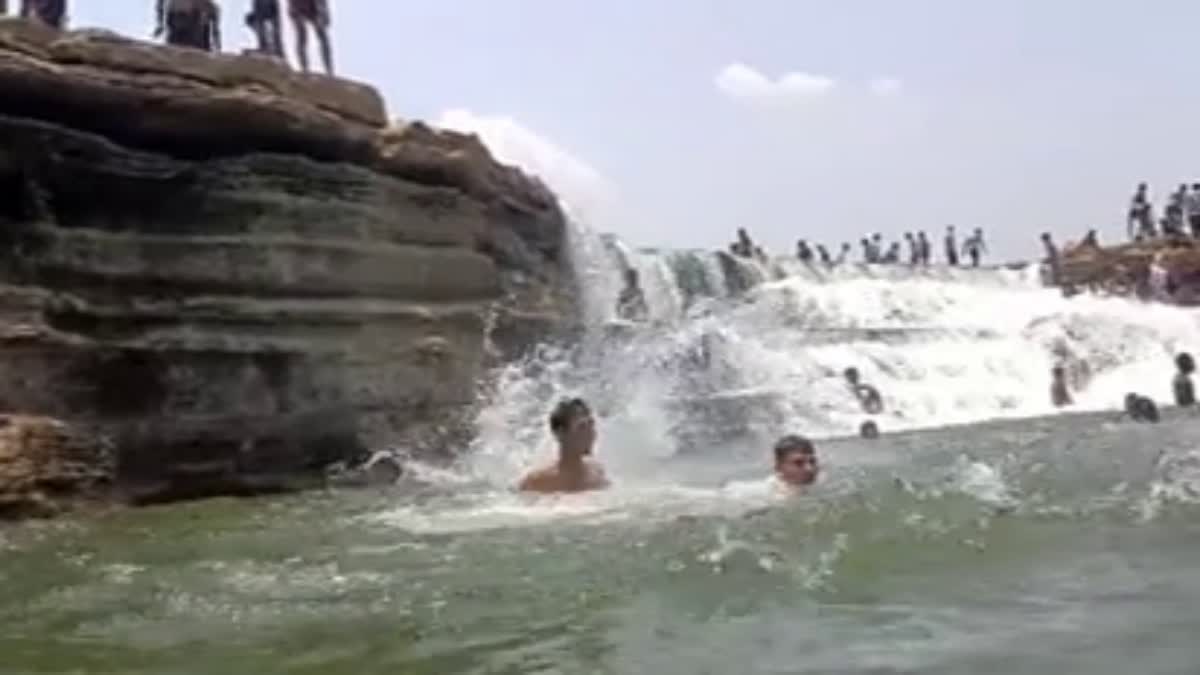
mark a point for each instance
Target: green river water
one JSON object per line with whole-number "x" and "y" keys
{"x": 1059, "y": 545}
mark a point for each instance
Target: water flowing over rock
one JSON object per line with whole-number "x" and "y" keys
{"x": 241, "y": 274}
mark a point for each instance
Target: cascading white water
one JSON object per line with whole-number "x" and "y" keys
{"x": 736, "y": 352}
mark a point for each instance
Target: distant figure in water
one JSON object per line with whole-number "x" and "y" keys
{"x": 868, "y": 430}
{"x": 190, "y": 23}
{"x": 1185, "y": 392}
{"x": 796, "y": 461}
{"x": 1060, "y": 394}
{"x": 868, "y": 396}
{"x": 631, "y": 303}
{"x": 1140, "y": 408}
{"x": 53, "y": 13}
{"x": 574, "y": 428}
{"x": 264, "y": 20}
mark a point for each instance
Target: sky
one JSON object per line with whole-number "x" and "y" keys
{"x": 673, "y": 122}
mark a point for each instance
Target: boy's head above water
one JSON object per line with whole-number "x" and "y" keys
{"x": 572, "y": 424}
{"x": 1185, "y": 364}
{"x": 796, "y": 461}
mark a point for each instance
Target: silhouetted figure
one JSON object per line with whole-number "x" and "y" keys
{"x": 868, "y": 251}
{"x": 264, "y": 19}
{"x": 744, "y": 246}
{"x": 190, "y": 23}
{"x": 925, "y": 247}
{"x": 1140, "y": 408}
{"x": 631, "y": 303}
{"x": 892, "y": 257}
{"x": 823, "y": 255}
{"x": 1193, "y": 209}
{"x": 844, "y": 255}
{"x": 315, "y": 13}
{"x": 1141, "y": 214}
{"x": 1090, "y": 240}
{"x": 868, "y": 396}
{"x": 868, "y": 429}
{"x": 1052, "y": 260}
{"x": 974, "y": 248}
{"x": 53, "y": 13}
{"x": 1185, "y": 392}
{"x": 914, "y": 249}
{"x": 951, "y": 247}
{"x": 803, "y": 252}
{"x": 1174, "y": 218}
{"x": 1060, "y": 394}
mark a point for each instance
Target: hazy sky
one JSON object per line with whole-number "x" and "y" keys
{"x": 671, "y": 122}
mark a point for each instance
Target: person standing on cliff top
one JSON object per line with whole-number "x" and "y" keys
{"x": 974, "y": 248}
{"x": 1141, "y": 216}
{"x": 925, "y": 247}
{"x": 53, "y": 13}
{"x": 190, "y": 23}
{"x": 263, "y": 19}
{"x": 574, "y": 428}
{"x": 316, "y": 13}
{"x": 951, "y": 247}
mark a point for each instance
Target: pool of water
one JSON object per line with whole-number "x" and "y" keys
{"x": 1058, "y": 545}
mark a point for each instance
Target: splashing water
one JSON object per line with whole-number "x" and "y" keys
{"x": 736, "y": 352}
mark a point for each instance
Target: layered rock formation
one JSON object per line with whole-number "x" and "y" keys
{"x": 240, "y": 274}
{"x": 1164, "y": 269}
{"x": 45, "y": 465}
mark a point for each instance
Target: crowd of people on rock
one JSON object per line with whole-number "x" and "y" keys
{"x": 196, "y": 24}
{"x": 916, "y": 250}
{"x": 1180, "y": 217}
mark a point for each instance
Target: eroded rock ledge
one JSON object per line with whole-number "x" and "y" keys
{"x": 239, "y": 274}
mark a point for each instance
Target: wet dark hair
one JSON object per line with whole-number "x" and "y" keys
{"x": 869, "y": 429}
{"x": 1185, "y": 363}
{"x": 793, "y": 443}
{"x": 565, "y": 411}
{"x": 850, "y": 372}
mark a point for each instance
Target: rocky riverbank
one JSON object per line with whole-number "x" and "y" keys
{"x": 236, "y": 275}
{"x": 1164, "y": 269}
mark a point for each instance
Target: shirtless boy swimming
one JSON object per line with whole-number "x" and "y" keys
{"x": 574, "y": 429}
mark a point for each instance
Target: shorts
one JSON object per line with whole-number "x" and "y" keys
{"x": 265, "y": 10}
{"x": 308, "y": 10}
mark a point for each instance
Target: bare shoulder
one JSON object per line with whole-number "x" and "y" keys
{"x": 539, "y": 480}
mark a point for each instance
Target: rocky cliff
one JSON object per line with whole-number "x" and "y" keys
{"x": 1165, "y": 269}
{"x": 239, "y": 274}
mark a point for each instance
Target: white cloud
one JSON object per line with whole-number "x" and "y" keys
{"x": 886, "y": 86}
{"x": 584, "y": 191}
{"x": 744, "y": 83}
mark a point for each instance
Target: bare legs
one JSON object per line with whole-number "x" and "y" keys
{"x": 322, "y": 31}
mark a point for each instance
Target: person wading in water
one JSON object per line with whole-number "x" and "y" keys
{"x": 190, "y": 23}
{"x": 574, "y": 428}
{"x": 316, "y": 13}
